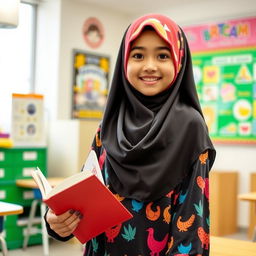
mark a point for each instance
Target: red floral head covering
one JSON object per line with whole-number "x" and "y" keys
{"x": 167, "y": 29}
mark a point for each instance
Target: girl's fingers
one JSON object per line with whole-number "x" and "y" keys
{"x": 68, "y": 229}
{"x": 51, "y": 217}
{"x": 63, "y": 224}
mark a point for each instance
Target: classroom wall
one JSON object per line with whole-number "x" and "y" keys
{"x": 60, "y": 26}
{"x": 73, "y": 16}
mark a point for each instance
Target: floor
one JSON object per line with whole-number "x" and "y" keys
{"x": 75, "y": 249}
{"x": 56, "y": 248}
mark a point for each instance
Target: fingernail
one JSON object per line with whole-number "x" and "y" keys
{"x": 71, "y": 211}
{"x": 77, "y": 213}
{"x": 81, "y": 216}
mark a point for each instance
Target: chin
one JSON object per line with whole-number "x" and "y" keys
{"x": 149, "y": 93}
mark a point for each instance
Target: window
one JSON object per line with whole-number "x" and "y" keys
{"x": 16, "y": 61}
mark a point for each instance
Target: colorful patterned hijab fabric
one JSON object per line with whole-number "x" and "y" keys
{"x": 152, "y": 141}
{"x": 170, "y": 33}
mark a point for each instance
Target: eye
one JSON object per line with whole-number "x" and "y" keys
{"x": 137, "y": 56}
{"x": 163, "y": 56}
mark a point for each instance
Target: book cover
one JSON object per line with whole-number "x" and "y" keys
{"x": 87, "y": 194}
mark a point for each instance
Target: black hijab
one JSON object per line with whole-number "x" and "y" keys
{"x": 152, "y": 141}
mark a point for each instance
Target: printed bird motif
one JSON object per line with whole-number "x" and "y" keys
{"x": 136, "y": 205}
{"x": 167, "y": 215}
{"x": 98, "y": 141}
{"x": 201, "y": 183}
{"x": 184, "y": 250}
{"x": 170, "y": 244}
{"x": 184, "y": 225}
{"x": 175, "y": 198}
{"x": 112, "y": 233}
{"x": 155, "y": 246}
{"x": 119, "y": 198}
{"x": 102, "y": 159}
{"x": 203, "y": 157}
{"x": 204, "y": 237}
{"x": 206, "y": 189}
{"x": 182, "y": 197}
{"x": 170, "y": 193}
{"x": 152, "y": 215}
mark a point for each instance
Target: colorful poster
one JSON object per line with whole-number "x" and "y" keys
{"x": 225, "y": 76}
{"x": 90, "y": 84}
{"x": 223, "y": 35}
{"x": 28, "y": 120}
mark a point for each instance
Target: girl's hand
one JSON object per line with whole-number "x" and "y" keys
{"x": 63, "y": 224}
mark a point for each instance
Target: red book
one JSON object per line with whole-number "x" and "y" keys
{"x": 84, "y": 192}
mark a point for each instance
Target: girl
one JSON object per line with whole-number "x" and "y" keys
{"x": 154, "y": 149}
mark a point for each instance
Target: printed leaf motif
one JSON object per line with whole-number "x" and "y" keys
{"x": 208, "y": 221}
{"x": 129, "y": 233}
{"x": 106, "y": 173}
{"x": 199, "y": 208}
{"x": 95, "y": 244}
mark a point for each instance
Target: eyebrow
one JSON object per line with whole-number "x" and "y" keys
{"x": 157, "y": 48}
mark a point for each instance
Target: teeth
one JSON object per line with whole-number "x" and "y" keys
{"x": 149, "y": 79}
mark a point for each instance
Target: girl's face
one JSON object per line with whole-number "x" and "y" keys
{"x": 150, "y": 68}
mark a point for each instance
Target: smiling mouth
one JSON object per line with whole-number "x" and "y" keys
{"x": 150, "y": 79}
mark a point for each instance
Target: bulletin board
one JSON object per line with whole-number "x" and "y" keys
{"x": 224, "y": 65}
{"x": 90, "y": 84}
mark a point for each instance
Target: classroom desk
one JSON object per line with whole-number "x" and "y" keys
{"x": 30, "y": 183}
{"x": 221, "y": 246}
{"x": 250, "y": 197}
{"x": 7, "y": 209}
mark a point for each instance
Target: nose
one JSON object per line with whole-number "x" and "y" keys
{"x": 150, "y": 65}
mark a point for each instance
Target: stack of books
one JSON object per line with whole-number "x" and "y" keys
{"x": 5, "y": 140}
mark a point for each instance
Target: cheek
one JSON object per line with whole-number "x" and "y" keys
{"x": 171, "y": 71}
{"x": 130, "y": 72}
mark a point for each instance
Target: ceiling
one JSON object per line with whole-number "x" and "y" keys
{"x": 134, "y": 7}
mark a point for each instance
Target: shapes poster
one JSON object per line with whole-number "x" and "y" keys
{"x": 224, "y": 57}
{"x": 28, "y": 120}
{"x": 90, "y": 85}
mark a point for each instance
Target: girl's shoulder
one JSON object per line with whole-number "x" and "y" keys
{"x": 194, "y": 119}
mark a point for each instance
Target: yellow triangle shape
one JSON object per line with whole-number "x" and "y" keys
{"x": 244, "y": 75}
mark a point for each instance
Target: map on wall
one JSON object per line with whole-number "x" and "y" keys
{"x": 224, "y": 65}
